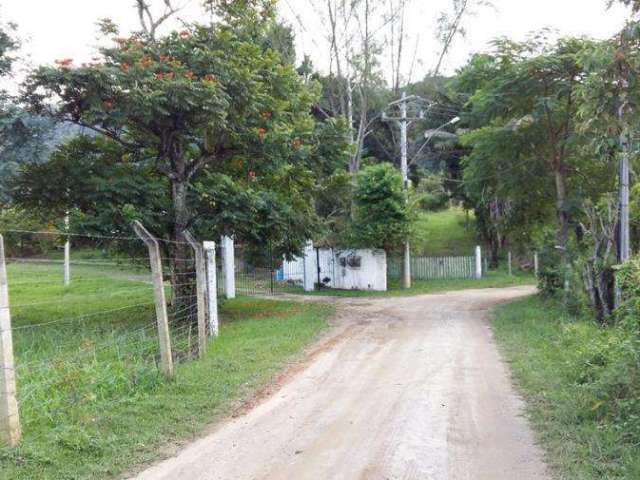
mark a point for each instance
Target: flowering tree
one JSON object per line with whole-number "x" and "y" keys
{"x": 208, "y": 100}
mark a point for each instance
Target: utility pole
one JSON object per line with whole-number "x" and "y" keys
{"x": 625, "y": 248}
{"x": 403, "y": 122}
{"x": 624, "y": 244}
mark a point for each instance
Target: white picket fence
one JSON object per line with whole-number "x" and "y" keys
{"x": 435, "y": 268}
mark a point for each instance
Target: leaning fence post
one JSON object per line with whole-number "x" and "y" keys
{"x": 229, "y": 267}
{"x": 212, "y": 287}
{"x": 509, "y": 263}
{"x": 201, "y": 285}
{"x": 478, "y": 262}
{"x": 536, "y": 263}
{"x": 9, "y": 416}
{"x": 166, "y": 360}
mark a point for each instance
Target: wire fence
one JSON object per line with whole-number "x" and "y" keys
{"x": 85, "y": 328}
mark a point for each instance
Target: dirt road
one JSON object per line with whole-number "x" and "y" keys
{"x": 407, "y": 388}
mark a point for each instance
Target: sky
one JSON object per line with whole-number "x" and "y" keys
{"x": 67, "y": 28}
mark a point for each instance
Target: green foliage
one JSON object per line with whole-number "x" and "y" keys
{"x": 382, "y": 215}
{"x": 449, "y": 232}
{"x": 93, "y": 403}
{"x": 227, "y": 142}
{"x": 582, "y": 383}
{"x": 628, "y": 278}
{"x": 524, "y": 100}
{"x": 432, "y": 192}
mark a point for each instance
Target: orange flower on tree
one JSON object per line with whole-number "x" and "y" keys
{"x": 189, "y": 75}
{"x": 261, "y": 131}
{"x": 252, "y": 174}
{"x": 65, "y": 63}
{"x": 209, "y": 78}
{"x": 185, "y": 33}
{"x": 145, "y": 61}
{"x": 296, "y": 143}
{"x": 124, "y": 67}
{"x": 266, "y": 115}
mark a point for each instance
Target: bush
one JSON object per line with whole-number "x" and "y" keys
{"x": 382, "y": 215}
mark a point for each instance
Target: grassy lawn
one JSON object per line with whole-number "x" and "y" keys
{"x": 93, "y": 403}
{"x": 444, "y": 233}
{"x": 493, "y": 279}
{"x": 582, "y": 386}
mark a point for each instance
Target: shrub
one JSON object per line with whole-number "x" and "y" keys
{"x": 382, "y": 215}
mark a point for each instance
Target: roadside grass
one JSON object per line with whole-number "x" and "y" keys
{"x": 445, "y": 233}
{"x": 93, "y": 402}
{"x": 492, "y": 279}
{"x": 582, "y": 387}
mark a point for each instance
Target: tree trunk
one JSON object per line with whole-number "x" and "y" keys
{"x": 181, "y": 261}
{"x": 563, "y": 216}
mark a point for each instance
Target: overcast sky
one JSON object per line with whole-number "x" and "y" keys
{"x": 66, "y": 28}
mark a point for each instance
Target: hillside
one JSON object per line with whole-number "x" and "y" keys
{"x": 448, "y": 232}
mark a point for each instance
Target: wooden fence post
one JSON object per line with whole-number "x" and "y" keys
{"x": 536, "y": 263}
{"x": 201, "y": 285}
{"x": 212, "y": 287}
{"x": 509, "y": 263}
{"x": 9, "y": 415}
{"x": 166, "y": 359}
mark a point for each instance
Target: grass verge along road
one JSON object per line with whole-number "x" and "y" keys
{"x": 93, "y": 402}
{"x": 581, "y": 387}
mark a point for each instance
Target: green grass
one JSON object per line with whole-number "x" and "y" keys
{"x": 93, "y": 402}
{"x": 493, "y": 279}
{"x": 582, "y": 384}
{"x": 447, "y": 232}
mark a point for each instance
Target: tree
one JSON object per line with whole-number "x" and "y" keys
{"x": 526, "y": 94}
{"x": 183, "y": 107}
{"x": 382, "y": 215}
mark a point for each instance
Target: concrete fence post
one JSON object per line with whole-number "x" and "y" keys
{"x": 310, "y": 264}
{"x": 212, "y": 287}
{"x": 155, "y": 260}
{"x": 229, "y": 267}
{"x": 536, "y": 263}
{"x": 478, "y": 262}
{"x": 486, "y": 264}
{"x": 509, "y": 265}
{"x": 9, "y": 416}
{"x": 201, "y": 286}
{"x": 67, "y": 254}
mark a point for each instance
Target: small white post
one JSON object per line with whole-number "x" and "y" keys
{"x": 9, "y": 415}
{"x": 155, "y": 260}
{"x": 509, "y": 263}
{"x": 229, "y": 267}
{"x": 478, "y": 262}
{"x": 536, "y": 263}
{"x": 67, "y": 254}
{"x": 310, "y": 267}
{"x": 201, "y": 286}
{"x": 212, "y": 287}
